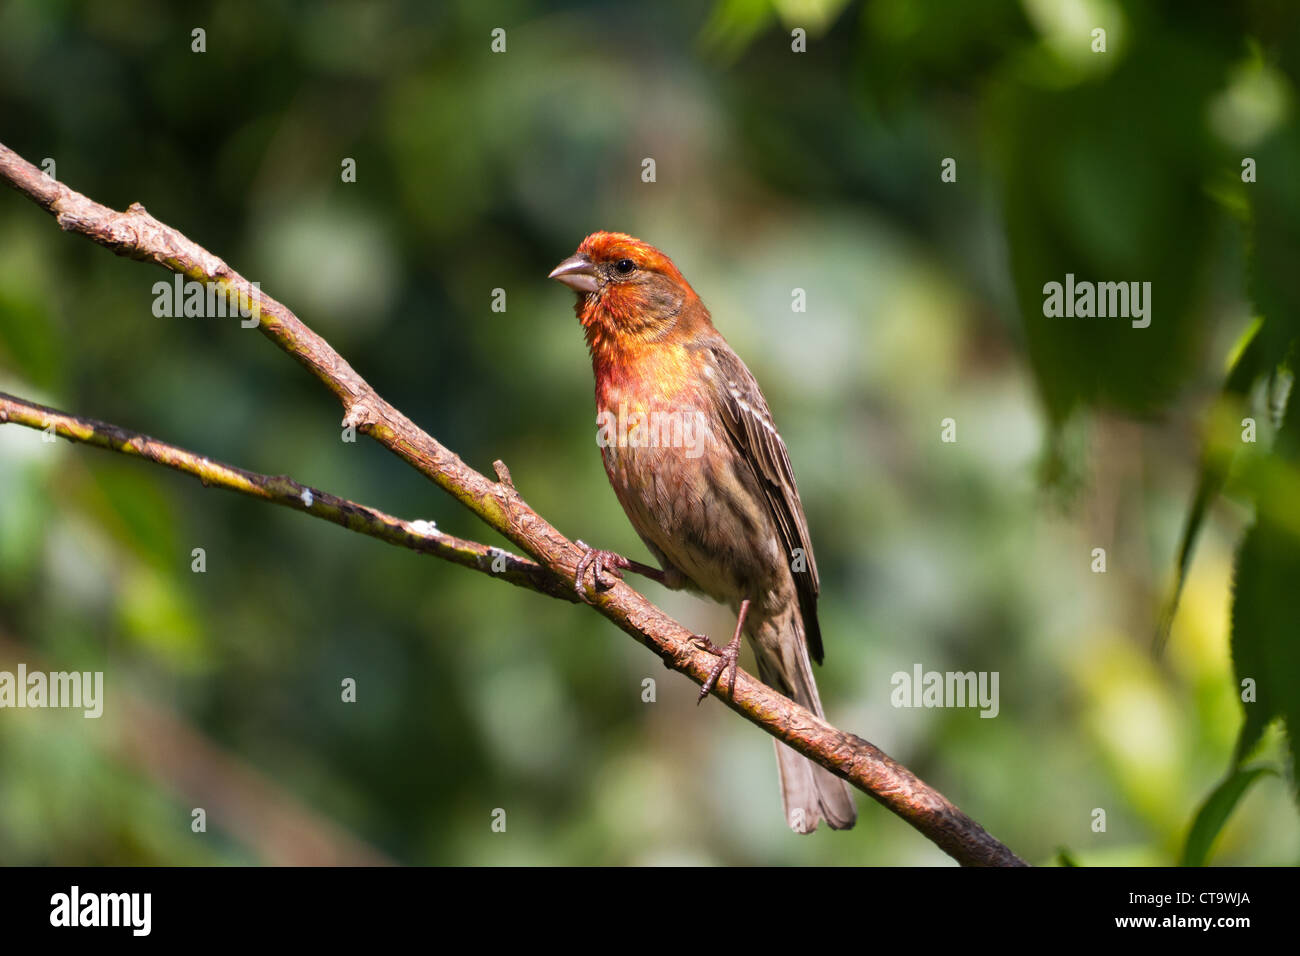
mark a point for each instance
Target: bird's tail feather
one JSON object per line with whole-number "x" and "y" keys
{"x": 810, "y": 792}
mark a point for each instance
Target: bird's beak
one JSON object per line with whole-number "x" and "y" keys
{"x": 577, "y": 272}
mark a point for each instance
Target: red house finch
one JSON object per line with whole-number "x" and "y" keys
{"x": 691, "y": 451}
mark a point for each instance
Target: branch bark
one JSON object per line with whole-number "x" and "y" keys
{"x": 283, "y": 490}
{"x": 138, "y": 235}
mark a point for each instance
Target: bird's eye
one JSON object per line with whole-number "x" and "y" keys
{"x": 624, "y": 266}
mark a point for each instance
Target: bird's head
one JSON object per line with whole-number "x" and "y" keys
{"x": 628, "y": 291}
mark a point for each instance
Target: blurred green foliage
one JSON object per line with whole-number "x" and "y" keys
{"x": 775, "y": 170}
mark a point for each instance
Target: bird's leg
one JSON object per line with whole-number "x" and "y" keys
{"x": 602, "y": 561}
{"x": 729, "y": 655}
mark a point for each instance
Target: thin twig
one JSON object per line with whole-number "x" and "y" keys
{"x": 420, "y": 536}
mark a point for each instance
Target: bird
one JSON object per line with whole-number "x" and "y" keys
{"x": 695, "y": 459}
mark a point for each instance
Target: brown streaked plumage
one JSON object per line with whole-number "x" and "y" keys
{"x": 705, "y": 479}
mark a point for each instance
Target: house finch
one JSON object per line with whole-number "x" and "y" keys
{"x": 694, "y": 458}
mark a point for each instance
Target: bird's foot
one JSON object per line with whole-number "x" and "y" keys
{"x": 599, "y": 562}
{"x": 728, "y": 657}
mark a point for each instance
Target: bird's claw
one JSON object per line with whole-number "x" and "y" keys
{"x": 600, "y": 562}
{"x": 728, "y": 657}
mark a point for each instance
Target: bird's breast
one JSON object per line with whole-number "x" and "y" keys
{"x": 672, "y": 466}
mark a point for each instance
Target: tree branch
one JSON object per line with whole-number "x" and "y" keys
{"x": 283, "y": 490}
{"x": 138, "y": 235}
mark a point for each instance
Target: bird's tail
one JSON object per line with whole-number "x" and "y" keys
{"x": 810, "y": 792}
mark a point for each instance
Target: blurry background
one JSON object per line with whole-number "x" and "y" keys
{"x": 775, "y": 170}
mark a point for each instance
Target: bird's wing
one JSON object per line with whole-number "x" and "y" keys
{"x": 749, "y": 423}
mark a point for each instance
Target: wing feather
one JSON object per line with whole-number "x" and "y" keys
{"x": 750, "y": 426}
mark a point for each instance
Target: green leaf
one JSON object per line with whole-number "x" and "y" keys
{"x": 1274, "y": 239}
{"x": 1065, "y": 858}
{"x": 1265, "y": 643}
{"x": 1214, "y": 812}
{"x": 1246, "y": 366}
{"x": 1105, "y": 180}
